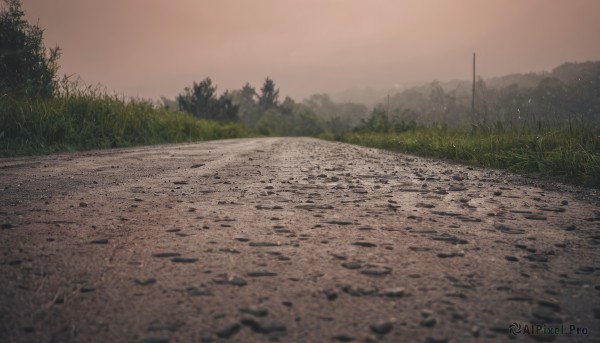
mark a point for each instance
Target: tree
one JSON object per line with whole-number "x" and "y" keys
{"x": 268, "y": 96}
{"x": 27, "y": 68}
{"x": 201, "y": 101}
{"x": 226, "y": 109}
{"x": 288, "y": 106}
{"x": 245, "y": 100}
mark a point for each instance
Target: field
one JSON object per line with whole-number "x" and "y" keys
{"x": 571, "y": 154}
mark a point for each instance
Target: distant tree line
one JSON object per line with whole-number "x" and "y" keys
{"x": 201, "y": 100}
{"x": 571, "y": 92}
{"x": 263, "y": 112}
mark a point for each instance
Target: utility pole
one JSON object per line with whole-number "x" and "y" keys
{"x": 388, "y": 104}
{"x": 473, "y": 95}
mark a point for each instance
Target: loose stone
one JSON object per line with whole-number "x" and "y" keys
{"x": 146, "y": 282}
{"x": 184, "y": 260}
{"x": 255, "y": 311}
{"x": 166, "y": 254}
{"x": 263, "y": 244}
{"x": 237, "y": 281}
{"x": 352, "y": 265}
{"x": 365, "y": 244}
{"x": 376, "y": 271}
{"x": 381, "y": 328}
{"x": 229, "y": 330}
{"x": 450, "y": 254}
{"x": 429, "y": 322}
{"x": 99, "y": 241}
{"x": 396, "y": 292}
{"x": 261, "y": 273}
{"x": 198, "y": 291}
{"x": 154, "y": 340}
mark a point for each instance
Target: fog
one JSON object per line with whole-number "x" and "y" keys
{"x": 151, "y": 48}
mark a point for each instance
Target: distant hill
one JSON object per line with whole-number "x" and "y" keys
{"x": 570, "y": 91}
{"x": 572, "y": 73}
{"x": 569, "y": 73}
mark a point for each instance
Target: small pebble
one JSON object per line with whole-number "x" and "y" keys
{"x": 376, "y": 271}
{"x": 271, "y": 326}
{"x": 263, "y": 244}
{"x": 241, "y": 238}
{"x": 99, "y": 241}
{"x": 154, "y": 340}
{"x": 429, "y": 322}
{"x": 184, "y": 260}
{"x": 146, "y": 282}
{"x": 343, "y": 338}
{"x": 261, "y": 273}
{"x": 229, "y": 330}
{"x": 393, "y": 292}
{"x": 381, "y": 328}
{"x": 198, "y": 291}
{"x": 166, "y": 254}
{"x": 351, "y": 265}
{"x": 255, "y": 311}
{"x": 450, "y": 254}
{"x": 237, "y": 281}
{"x": 365, "y": 244}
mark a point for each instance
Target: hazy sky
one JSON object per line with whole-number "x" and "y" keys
{"x": 150, "y": 48}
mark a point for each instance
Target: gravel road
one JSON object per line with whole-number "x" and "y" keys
{"x": 290, "y": 240}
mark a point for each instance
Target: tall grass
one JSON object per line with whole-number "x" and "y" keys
{"x": 570, "y": 154}
{"x": 87, "y": 118}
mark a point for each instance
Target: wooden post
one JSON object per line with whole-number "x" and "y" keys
{"x": 473, "y": 95}
{"x": 388, "y": 105}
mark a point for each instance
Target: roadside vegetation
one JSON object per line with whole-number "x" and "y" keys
{"x": 542, "y": 123}
{"x": 88, "y": 118}
{"x": 42, "y": 113}
{"x": 573, "y": 157}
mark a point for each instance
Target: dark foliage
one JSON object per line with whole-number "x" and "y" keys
{"x": 27, "y": 68}
{"x": 201, "y": 100}
{"x": 269, "y": 95}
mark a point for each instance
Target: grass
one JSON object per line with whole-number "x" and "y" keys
{"x": 571, "y": 155}
{"x": 81, "y": 119}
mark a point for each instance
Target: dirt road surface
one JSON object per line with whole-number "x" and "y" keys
{"x": 290, "y": 240}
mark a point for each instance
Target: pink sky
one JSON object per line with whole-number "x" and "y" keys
{"x": 150, "y": 48}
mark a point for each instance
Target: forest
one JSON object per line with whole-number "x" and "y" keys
{"x": 545, "y": 123}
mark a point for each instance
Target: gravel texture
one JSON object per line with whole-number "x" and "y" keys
{"x": 290, "y": 240}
